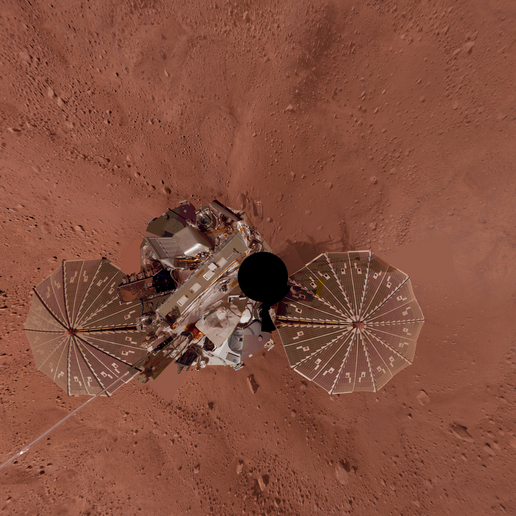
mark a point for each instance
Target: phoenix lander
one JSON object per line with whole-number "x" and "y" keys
{"x": 210, "y": 292}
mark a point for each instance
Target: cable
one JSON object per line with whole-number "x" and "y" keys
{"x": 30, "y": 445}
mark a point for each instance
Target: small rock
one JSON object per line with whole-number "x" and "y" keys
{"x": 253, "y": 385}
{"x": 289, "y": 109}
{"x": 100, "y": 160}
{"x": 450, "y": 213}
{"x": 468, "y": 47}
{"x": 24, "y": 56}
{"x": 372, "y": 226}
{"x": 423, "y": 398}
{"x": 373, "y": 180}
{"x": 455, "y": 105}
{"x": 293, "y": 413}
{"x": 329, "y": 186}
{"x": 78, "y": 229}
{"x": 308, "y": 212}
{"x": 50, "y": 93}
{"x": 488, "y": 449}
{"x": 512, "y": 442}
{"x": 461, "y": 432}
{"x": 263, "y": 481}
{"x": 422, "y": 98}
{"x": 60, "y": 102}
{"x": 167, "y": 190}
{"x": 342, "y": 472}
{"x": 240, "y": 467}
{"x": 246, "y": 17}
{"x": 197, "y": 469}
{"x": 269, "y": 219}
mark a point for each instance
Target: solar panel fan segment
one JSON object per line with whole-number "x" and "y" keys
{"x": 81, "y": 335}
{"x": 350, "y": 322}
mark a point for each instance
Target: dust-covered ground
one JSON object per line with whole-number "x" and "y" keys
{"x": 337, "y": 125}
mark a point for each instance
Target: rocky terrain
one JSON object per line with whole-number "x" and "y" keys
{"x": 383, "y": 125}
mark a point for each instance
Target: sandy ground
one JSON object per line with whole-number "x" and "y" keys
{"x": 383, "y": 125}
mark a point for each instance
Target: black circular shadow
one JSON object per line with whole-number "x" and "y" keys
{"x": 263, "y": 277}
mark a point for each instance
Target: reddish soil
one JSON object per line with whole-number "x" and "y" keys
{"x": 377, "y": 125}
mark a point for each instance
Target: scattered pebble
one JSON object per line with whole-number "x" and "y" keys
{"x": 455, "y": 105}
{"x": 423, "y": 398}
{"x": 240, "y": 467}
{"x": 372, "y": 226}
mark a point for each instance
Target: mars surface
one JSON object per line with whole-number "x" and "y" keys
{"x": 337, "y": 126}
